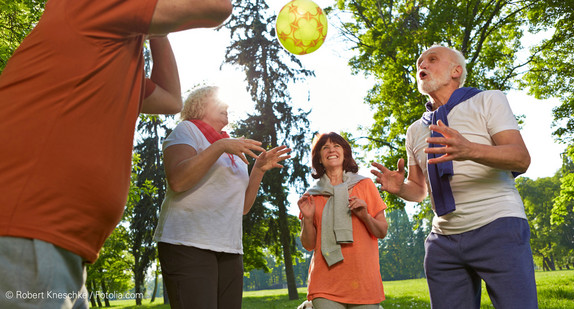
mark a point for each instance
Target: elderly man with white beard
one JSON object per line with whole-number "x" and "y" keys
{"x": 465, "y": 152}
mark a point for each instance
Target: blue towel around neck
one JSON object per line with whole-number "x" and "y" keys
{"x": 439, "y": 174}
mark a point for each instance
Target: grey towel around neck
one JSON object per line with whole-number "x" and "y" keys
{"x": 336, "y": 224}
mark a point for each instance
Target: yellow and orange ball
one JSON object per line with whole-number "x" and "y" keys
{"x": 301, "y": 27}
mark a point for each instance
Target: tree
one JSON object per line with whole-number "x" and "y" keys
{"x": 549, "y": 206}
{"x": 274, "y": 278}
{"x": 401, "y": 253}
{"x": 537, "y": 196}
{"x": 390, "y": 35}
{"x": 564, "y": 202}
{"x": 562, "y": 216}
{"x": 551, "y": 243}
{"x": 143, "y": 209}
{"x": 551, "y": 68}
{"x": 109, "y": 274}
{"x": 17, "y": 18}
{"x": 274, "y": 122}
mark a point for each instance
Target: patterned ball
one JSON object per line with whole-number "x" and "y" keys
{"x": 301, "y": 27}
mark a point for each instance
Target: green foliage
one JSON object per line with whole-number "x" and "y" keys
{"x": 146, "y": 195}
{"x": 17, "y": 18}
{"x": 551, "y": 69}
{"x": 109, "y": 274}
{"x": 401, "y": 253}
{"x": 564, "y": 202}
{"x": 551, "y": 244}
{"x": 562, "y": 216}
{"x": 274, "y": 277}
{"x": 391, "y": 35}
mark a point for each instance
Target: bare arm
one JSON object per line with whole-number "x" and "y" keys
{"x": 266, "y": 161}
{"x": 377, "y": 225}
{"x": 508, "y": 152}
{"x": 166, "y": 98}
{"x": 413, "y": 189}
{"x": 184, "y": 167}
{"x": 308, "y": 230}
{"x": 175, "y": 15}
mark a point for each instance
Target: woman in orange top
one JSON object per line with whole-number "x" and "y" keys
{"x": 342, "y": 216}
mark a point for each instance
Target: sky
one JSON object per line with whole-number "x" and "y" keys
{"x": 334, "y": 95}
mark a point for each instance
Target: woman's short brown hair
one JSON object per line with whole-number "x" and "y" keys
{"x": 349, "y": 164}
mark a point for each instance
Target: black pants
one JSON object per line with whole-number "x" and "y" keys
{"x": 201, "y": 279}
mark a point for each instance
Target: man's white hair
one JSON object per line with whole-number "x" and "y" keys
{"x": 459, "y": 60}
{"x": 462, "y": 62}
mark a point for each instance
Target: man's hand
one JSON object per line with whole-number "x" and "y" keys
{"x": 390, "y": 181}
{"x": 508, "y": 151}
{"x": 457, "y": 147}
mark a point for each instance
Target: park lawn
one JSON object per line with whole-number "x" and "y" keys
{"x": 555, "y": 291}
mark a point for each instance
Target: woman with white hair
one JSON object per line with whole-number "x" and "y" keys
{"x": 199, "y": 233}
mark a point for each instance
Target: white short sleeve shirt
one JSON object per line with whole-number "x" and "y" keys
{"x": 482, "y": 194}
{"x": 208, "y": 216}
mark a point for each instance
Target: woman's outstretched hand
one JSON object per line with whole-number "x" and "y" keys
{"x": 269, "y": 159}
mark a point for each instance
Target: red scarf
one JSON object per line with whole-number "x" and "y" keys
{"x": 212, "y": 136}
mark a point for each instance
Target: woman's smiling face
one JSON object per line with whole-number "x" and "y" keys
{"x": 332, "y": 155}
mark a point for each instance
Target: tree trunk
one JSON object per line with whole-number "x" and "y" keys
{"x": 105, "y": 290}
{"x": 154, "y": 286}
{"x": 138, "y": 290}
{"x": 91, "y": 293}
{"x": 97, "y": 296}
{"x": 552, "y": 264}
{"x": 287, "y": 257}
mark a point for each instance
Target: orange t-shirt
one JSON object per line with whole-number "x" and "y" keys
{"x": 69, "y": 100}
{"x": 357, "y": 279}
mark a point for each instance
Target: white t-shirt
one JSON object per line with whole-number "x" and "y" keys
{"x": 482, "y": 194}
{"x": 208, "y": 216}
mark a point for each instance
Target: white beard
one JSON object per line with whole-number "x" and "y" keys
{"x": 432, "y": 83}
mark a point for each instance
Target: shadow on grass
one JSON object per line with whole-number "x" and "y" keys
{"x": 272, "y": 302}
{"x": 405, "y": 302}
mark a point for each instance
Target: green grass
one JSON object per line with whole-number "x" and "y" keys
{"x": 555, "y": 291}
{"x": 272, "y": 299}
